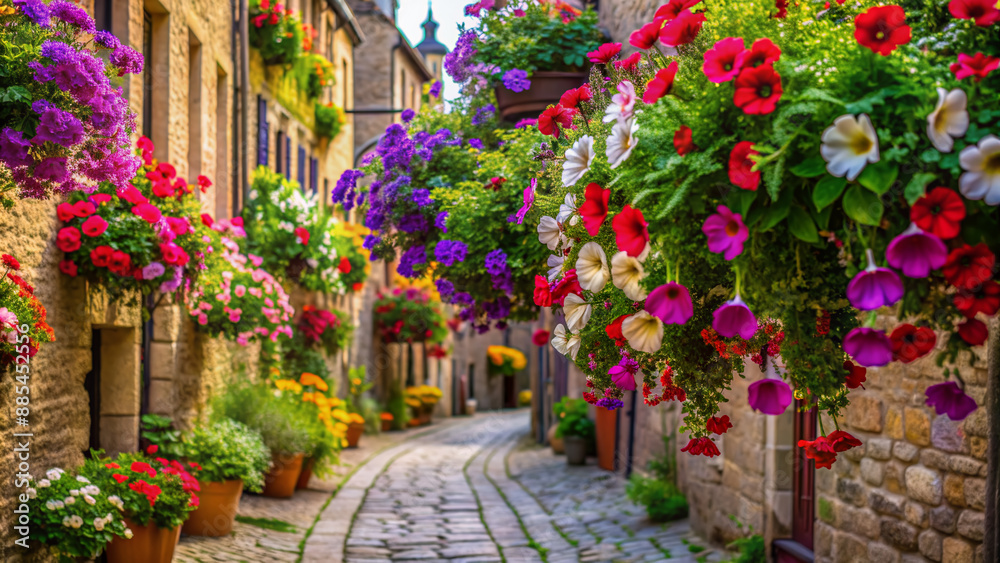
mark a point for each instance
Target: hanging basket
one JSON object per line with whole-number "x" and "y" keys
{"x": 546, "y": 89}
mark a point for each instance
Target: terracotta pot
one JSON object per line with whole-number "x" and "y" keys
{"x": 307, "y": 471}
{"x": 576, "y": 450}
{"x": 217, "y": 506}
{"x": 280, "y": 481}
{"x": 386, "y": 425}
{"x": 558, "y": 445}
{"x": 354, "y": 432}
{"x": 149, "y": 544}
{"x": 607, "y": 424}
{"x": 546, "y": 88}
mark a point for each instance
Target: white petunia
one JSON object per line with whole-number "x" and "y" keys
{"x": 555, "y": 263}
{"x": 592, "y": 267}
{"x": 949, "y": 120}
{"x": 643, "y": 331}
{"x": 565, "y": 342}
{"x": 577, "y": 312}
{"x": 549, "y": 233}
{"x": 89, "y": 500}
{"x": 621, "y": 142}
{"x": 69, "y": 500}
{"x": 622, "y": 106}
{"x": 578, "y": 160}
{"x": 117, "y": 502}
{"x": 626, "y": 273}
{"x": 567, "y": 208}
{"x": 981, "y": 163}
{"x": 849, "y": 145}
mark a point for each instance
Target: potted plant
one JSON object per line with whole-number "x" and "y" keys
{"x": 410, "y": 315}
{"x": 505, "y": 361}
{"x": 386, "y": 419}
{"x": 75, "y": 518}
{"x": 22, "y": 319}
{"x": 157, "y": 495}
{"x": 576, "y": 430}
{"x": 231, "y": 457}
{"x": 275, "y": 33}
{"x": 398, "y": 406}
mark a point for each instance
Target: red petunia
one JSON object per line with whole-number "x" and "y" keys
{"x": 204, "y": 183}
{"x": 146, "y": 147}
{"x": 572, "y": 97}
{"x": 605, "y": 53}
{"x": 820, "y": 450}
{"x": 683, "y": 29}
{"x": 660, "y": 84}
{"x": 174, "y": 254}
{"x": 683, "y": 141}
{"x": 594, "y": 209}
{"x": 631, "y": 231}
{"x": 629, "y": 63}
{"x": 568, "y": 284}
{"x": 119, "y": 477}
{"x": 94, "y": 226}
{"x": 855, "y": 375}
{"x": 882, "y": 29}
{"x": 149, "y": 212}
{"x": 910, "y": 342}
{"x": 554, "y": 117}
{"x": 345, "y": 265}
{"x": 65, "y": 212}
{"x": 152, "y": 449}
{"x": 161, "y": 186}
{"x": 646, "y": 36}
{"x": 763, "y": 51}
{"x": 132, "y": 195}
{"x": 724, "y": 60}
{"x": 542, "y": 294}
{"x": 978, "y": 65}
{"x": 740, "y": 166}
{"x": 719, "y": 425}
{"x": 119, "y": 262}
{"x": 968, "y": 267}
{"x": 614, "y": 330}
{"x": 302, "y": 235}
{"x": 100, "y": 199}
{"x": 940, "y": 212}
{"x": 68, "y": 239}
{"x": 83, "y": 208}
{"x": 842, "y": 441}
{"x": 758, "y": 90}
{"x": 973, "y": 332}
{"x": 101, "y": 255}
{"x": 983, "y": 12}
{"x": 701, "y": 446}
{"x": 68, "y": 267}
{"x": 985, "y": 300}
{"x": 540, "y": 337}
{"x": 672, "y": 9}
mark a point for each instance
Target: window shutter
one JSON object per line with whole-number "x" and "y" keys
{"x": 288, "y": 157}
{"x": 279, "y": 152}
{"x": 301, "y": 176}
{"x": 262, "y": 132}
{"x": 314, "y": 174}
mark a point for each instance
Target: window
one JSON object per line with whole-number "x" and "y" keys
{"x": 301, "y": 164}
{"x": 147, "y": 75}
{"x": 262, "y": 133}
{"x": 279, "y": 152}
{"x": 314, "y": 174}
{"x": 194, "y": 107}
{"x": 102, "y": 15}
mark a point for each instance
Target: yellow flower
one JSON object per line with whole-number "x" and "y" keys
{"x": 288, "y": 385}
{"x": 314, "y": 380}
{"x": 357, "y": 418}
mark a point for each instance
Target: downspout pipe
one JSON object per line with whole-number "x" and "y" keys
{"x": 237, "y": 143}
{"x": 244, "y": 97}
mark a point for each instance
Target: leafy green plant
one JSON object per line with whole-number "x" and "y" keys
{"x": 159, "y": 431}
{"x": 358, "y": 385}
{"x": 275, "y": 33}
{"x": 397, "y": 407}
{"x": 277, "y": 418}
{"x": 572, "y": 414}
{"x": 329, "y": 120}
{"x": 313, "y": 72}
{"x": 659, "y": 492}
{"x": 227, "y": 450}
{"x": 409, "y": 315}
{"x": 750, "y": 548}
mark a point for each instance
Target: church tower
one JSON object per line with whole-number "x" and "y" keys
{"x": 430, "y": 48}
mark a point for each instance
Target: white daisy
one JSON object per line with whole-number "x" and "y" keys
{"x": 565, "y": 342}
{"x": 643, "y": 331}
{"x": 981, "y": 163}
{"x": 849, "y": 145}
{"x": 567, "y": 209}
{"x": 949, "y": 120}
{"x": 555, "y": 263}
{"x": 621, "y": 142}
{"x": 577, "y": 312}
{"x": 549, "y": 233}
{"x": 578, "y": 160}
{"x": 626, "y": 273}
{"x": 592, "y": 267}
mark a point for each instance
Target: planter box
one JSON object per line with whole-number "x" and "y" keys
{"x": 149, "y": 544}
{"x": 546, "y": 89}
{"x": 280, "y": 481}
{"x": 216, "y": 510}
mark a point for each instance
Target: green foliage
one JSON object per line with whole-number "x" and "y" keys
{"x": 663, "y": 501}
{"x": 572, "y": 415}
{"x": 358, "y": 385}
{"x": 148, "y": 492}
{"x": 286, "y": 424}
{"x": 268, "y": 524}
{"x": 313, "y": 72}
{"x": 750, "y": 548}
{"x": 409, "y": 315}
{"x": 275, "y": 33}
{"x": 397, "y": 407}
{"x": 158, "y": 430}
{"x": 227, "y": 450}
{"x": 329, "y": 120}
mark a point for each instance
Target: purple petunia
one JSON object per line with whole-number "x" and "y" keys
{"x": 463, "y": 298}
{"x": 14, "y": 148}
{"x": 458, "y": 62}
{"x": 347, "y": 182}
{"x": 526, "y": 122}
{"x": 371, "y": 241}
{"x": 36, "y": 10}
{"x": 435, "y": 90}
{"x": 948, "y": 398}
{"x": 516, "y": 80}
{"x": 444, "y": 287}
{"x": 396, "y": 149}
{"x": 412, "y": 223}
{"x": 127, "y": 59}
{"x": 484, "y": 114}
{"x": 496, "y": 262}
{"x": 610, "y": 403}
{"x": 623, "y": 374}
{"x": 73, "y": 15}
{"x": 52, "y": 169}
{"x": 106, "y": 39}
{"x": 476, "y": 144}
{"x": 498, "y": 309}
{"x": 421, "y": 197}
{"x": 56, "y": 125}
{"x": 440, "y": 221}
{"x": 408, "y": 115}
{"x": 414, "y": 256}
{"x": 449, "y": 252}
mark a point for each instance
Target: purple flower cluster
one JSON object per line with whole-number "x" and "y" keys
{"x": 498, "y": 309}
{"x": 476, "y": 144}
{"x": 72, "y": 15}
{"x": 444, "y": 287}
{"x": 412, "y": 223}
{"x": 463, "y": 298}
{"x": 36, "y": 11}
{"x": 440, "y": 221}
{"x": 343, "y": 192}
{"x": 396, "y": 149}
{"x": 610, "y": 403}
{"x": 435, "y": 90}
{"x": 449, "y": 252}
{"x": 408, "y": 115}
{"x": 457, "y": 63}
{"x": 499, "y": 270}
{"x": 413, "y": 257}
{"x": 422, "y": 197}
{"x": 516, "y": 80}
{"x": 484, "y": 114}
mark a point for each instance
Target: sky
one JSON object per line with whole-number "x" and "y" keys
{"x": 448, "y": 13}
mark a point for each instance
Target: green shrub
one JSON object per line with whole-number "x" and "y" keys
{"x": 573, "y": 420}
{"x": 397, "y": 407}
{"x": 329, "y": 120}
{"x": 663, "y": 501}
{"x": 159, "y": 431}
{"x": 226, "y": 450}
{"x": 163, "y": 494}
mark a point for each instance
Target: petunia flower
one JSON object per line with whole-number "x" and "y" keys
{"x": 572, "y": 97}
{"x": 604, "y": 53}
{"x": 577, "y": 312}
{"x": 631, "y": 232}
{"x": 701, "y": 446}
{"x": 985, "y": 300}
{"x": 626, "y": 273}
{"x": 540, "y": 337}
{"x": 529, "y": 200}
{"x": 849, "y": 145}
{"x": 672, "y": 9}
{"x": 629, "y": 63}
{"x": 622, "y": 106}
{"x": 567, "y": 208}
{"x": 555, "y": 117}
{"x": 683, "y": 141}
{"x": 578, "y": 160}
{"x": 949, "y": 120}
{"x": 874, "y": 287}
{"x": 973, "y": 332}
{"x": 646, "y": 36}
{"x": 623, "y": 374}
{"x": 555, "y": 264}
{"x": 916, "y": 253}
{"x": 621, "y": 142}
{"x": 660, "y": 84}
{"x": 981, "y": 162}
{"x": 855, "y": 375}
{"x": 939, "y": 212}
{"x": 948, "y": 398}
{"x": 982, "y": 12}
{"x": 724, "y": 60}
{"x": 565, "y": 342}
{"x": 542, "y": 296}
{"x": 978, "y": 65}
{"x": 842, "y": 441}
{"x": 882, "y": 29}
{"x": 94, "y": 226}
{"x": 763, "y": 51}
{"x": 592, "y": 268}
{"x": 549, "y": 233}
{"x": 741, "y": 167}
{"x": 968, "y": 266}
{"x": 769, "y": 396}
{"x": 869, "y": 347}
{"x": 683, "y": 29}
{"x": 726, "y": 232}
{"x": 758, "y": 90}
{"x": 614, "y": 330}
{"x": 718, "y": 424}
{"x": 671, "y": 303}
{"x": 595, "y": 208}
{"x": 910, "y": 342}
{"x": 734, "y": 318}
{"x": 643, "y": 332}
{"x": 820, "y": 450}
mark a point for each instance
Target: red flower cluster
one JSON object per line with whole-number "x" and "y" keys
{"x": 11, "y": 262}
{"x": 978, "y": 65}
{"x": 939, "y": 212}
{"x": 269, "y": 15}
{"x": 825, "y": 448}
{"x": 701, "y": 446}
{"x": 315, "y": 322}
{"x": 573, "y": 97}
{"x": 152, "y": 492}
{"x": 718, "y": 425}
{"x": 605, "y": 53}
{"x": 855, "y": 375}
{"x": 554, "y": 119}
{"x": 670, "y": 392}
{"x": 823, "y": 323}
{"x": 910, "y": 342}
{"x": 968, "y": 267}
{"x": 683, "y": 141}
{"x": 188, "y": 481}
{"x": 882, "y": 29}
{"x": 982, "y": 12}
{"x": 660, "y": 84}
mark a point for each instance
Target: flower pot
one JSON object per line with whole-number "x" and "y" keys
{"x": 216, "y": 512}
{"x": 470, "y": 407}
{"x": 576, "y": 450}
{"x": 149, "y": 544}
{"x": 546, "y": 89}
{"x": 607, "y": 426}
{"x": 307, "y": 471}
{"x": 386, "y": 425}
{"x": 354, "y": 432}
{"x": 558, "y": 444}
{"x": 280, "y": 481}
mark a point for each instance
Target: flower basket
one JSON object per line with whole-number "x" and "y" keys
{"x": 546, "y": 89}
{"x": 149, "y": 544}
{"x": 505, "y": 361}
{"x": 281, "y": 480}
{"x": 216, "y": 512}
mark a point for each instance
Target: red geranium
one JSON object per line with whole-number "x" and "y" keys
{"x": 119, "y": 262}
{"x": 978, "y": 65}
{"x": 701, "y": 446}
{"x": 594, "y": 209}
{"x": 672, "y": 9}
{"x": 683, "y": 141}
{"x": 345, "y": 265}
{"x": 763, "y": 51}
{"x": 983, "y": 12}
{"x": 65, "y": 212}
{"x": 605, "y": 53}
{"x": 119, "y": 477}
{"x": 660, "y": 84}
{"x": 568, "y": 284}
{"x": 572, "y": 97}
{"x": 161, "y": 186}
{"x": 542, "y": 294}
{"x": 968, "y": 267}
{"x": 740, "y": 166}
{"x": 83, "y": 208}
{"x": 719, "y": 425}
{"x": 910, "y": 342}
{"x": 631, "y": 231}
{"x": 940, "y": 212}
{"x": 149, "y": 212}
{"x": 820, "y": 450}
{"x": 11, "y": 262}
{"x": 629, "y": 63}
{"x": 646, "y": 36}
{"x": 174, "y": 254}
{"x": 554, "y": 117}
{"x": 540, "y": 337}
{"x": 973, "y": 332}
{"x": 855, "y": 375}
{"x": 758, "y": 90}
{"x": 101, "y": 255}
{"x": 68, "y": 267}
{"x": 724, "y": 60}
{"x": 985, "y": 300}
{"x": 882, "y": 29}
{"x": 683, "y": 29}
{"x": 143, "y": 467}
{"x": 68, "y": 239}
{"x": 614, "y": 330}
{"x": 94, "y": 226}
{"x": 302, "y": 234}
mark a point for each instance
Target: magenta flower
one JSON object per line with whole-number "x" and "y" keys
{"x": 916, "y": 253}
{"x": 529, "y": 200}
{"x": 623, "y": 375}
{"x": 947, "y": 398}
{"x": 868, "y": 347}
{"x": 770, "y": 396}
{"x": 671, "y": 303}
{"x": 734, "y": 318}
{"x": 874, "y": 287}
{"x": 726, "y": 232}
